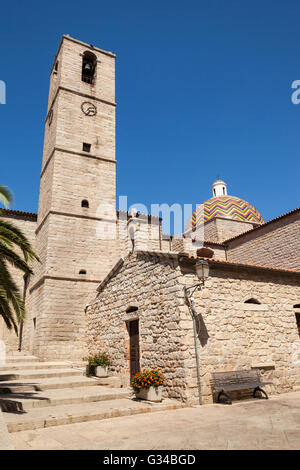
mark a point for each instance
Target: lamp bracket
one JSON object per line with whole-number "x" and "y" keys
{"x": 189, "y": 291}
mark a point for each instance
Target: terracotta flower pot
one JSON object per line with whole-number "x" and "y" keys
{"x": 150, "y": 394}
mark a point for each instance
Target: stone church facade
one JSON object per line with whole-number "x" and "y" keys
{"x": 107, "y": 276}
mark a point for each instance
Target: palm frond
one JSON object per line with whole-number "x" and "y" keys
{"x": 11, "y": 290}
{"x": 7, "y": 254}
{"x": 12, "y": 307}
{"x": 13, "y": 244}
{"x": 6, "y": 312}
{"x": 9, "y": 233}
{"x": 6, "y": 197}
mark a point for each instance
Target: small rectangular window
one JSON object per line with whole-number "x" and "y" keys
{"x": 86, "y": 147}
{"x": 55, "y": 68}
{"x": 298, "y": 322}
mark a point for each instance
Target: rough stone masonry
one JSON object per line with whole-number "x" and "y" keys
{"x": 232, "y": 333}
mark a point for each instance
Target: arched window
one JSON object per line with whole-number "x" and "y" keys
{"x": 84, "y": 203}
{"x": 89, "y": 63}
{"x": 252, "y": 301}
{"x": 82, "y": 271}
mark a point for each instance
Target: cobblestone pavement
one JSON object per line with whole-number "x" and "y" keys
{"x": 255, "y": 424}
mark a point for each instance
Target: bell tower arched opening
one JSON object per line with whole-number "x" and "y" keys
{"x": 89, "y": 64}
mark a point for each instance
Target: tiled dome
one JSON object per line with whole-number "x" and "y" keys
{"x": 229, "y": 207}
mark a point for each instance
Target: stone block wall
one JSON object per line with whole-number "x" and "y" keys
{"x": 104, "y": 83}
{"x": 175, "y": 244}
{"x": 46, "y": 189}
{"x": 236, "y": 335}
{"x": 232, "y": 334}
{"x": 35, "y": 303}
{"x": 59, "y": 332}
{"x": 218, "y": 249}
{"x": 274, "y": 244}
{"x": 74, "y": 127}
{"x": 151, "y": 285}
{"x": 220, "y": 229}
{"x": 75, "y": 243}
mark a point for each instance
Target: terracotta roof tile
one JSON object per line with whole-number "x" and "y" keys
{"x": 172, "y": 254}
{"x": 8, "y": 212}
{"x": 248, "y": 265}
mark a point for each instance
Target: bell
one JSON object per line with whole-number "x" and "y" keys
{"x": 88, "y": 68}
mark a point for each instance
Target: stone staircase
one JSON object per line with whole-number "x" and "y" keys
{"x": 36, "y": 394}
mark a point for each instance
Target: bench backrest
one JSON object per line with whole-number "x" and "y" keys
{"x": 235, "y": 377}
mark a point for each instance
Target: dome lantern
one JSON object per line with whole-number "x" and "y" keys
{"x": 219, "y": 188}
{"x": 224, "y": 207}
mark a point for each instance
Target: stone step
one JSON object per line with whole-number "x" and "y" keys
{"x": 32, "y": 366}
{"x": 17, "y": 353}
{"x": 14, "y": 359}
{"x": 17, "y": 403}
{"x": 67, "y": 414}
{"x": 27, "y": 385}
{"x": 110, "y": 382}
{"x": 39, "y": 374}
{"x": 79, "y": 364}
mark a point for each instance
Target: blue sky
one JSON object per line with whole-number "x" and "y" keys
{"x": 203, "y": 89}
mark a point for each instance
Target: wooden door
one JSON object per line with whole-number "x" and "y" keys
{"x": 134, "y": 347}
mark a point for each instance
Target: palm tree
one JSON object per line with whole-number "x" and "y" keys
{"x": 12, "y": 307}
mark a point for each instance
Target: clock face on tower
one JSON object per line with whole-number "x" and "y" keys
{"x": 89, "y": 109}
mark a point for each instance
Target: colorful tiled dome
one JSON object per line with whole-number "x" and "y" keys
{"x": 229, "y": 207}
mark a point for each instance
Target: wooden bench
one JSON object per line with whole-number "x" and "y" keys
{"x": 223, "y": 382}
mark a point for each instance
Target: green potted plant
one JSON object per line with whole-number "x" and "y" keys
{"x": 147, "y": 385}
{"x": 98, "y": 364}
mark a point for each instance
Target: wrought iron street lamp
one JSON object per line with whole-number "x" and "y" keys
{"x": 202, "y": 269}
{"x": 202, "y": 272}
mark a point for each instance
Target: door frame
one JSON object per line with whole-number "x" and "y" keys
{"x": 133, "y": 371}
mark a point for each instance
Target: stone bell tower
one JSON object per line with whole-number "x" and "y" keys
{"x": 78, "y": 179}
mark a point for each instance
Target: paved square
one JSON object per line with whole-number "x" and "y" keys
{"x": 255, "y": 424}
